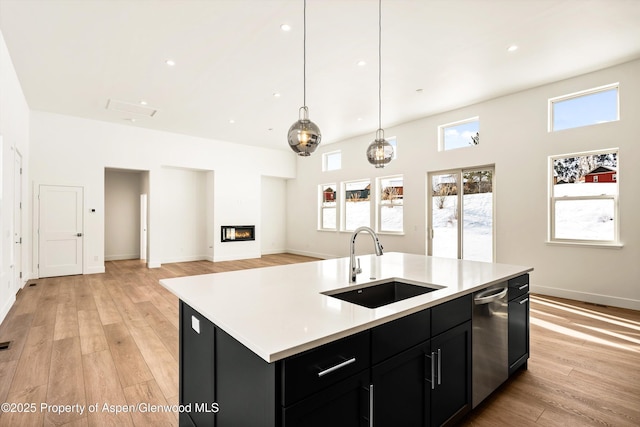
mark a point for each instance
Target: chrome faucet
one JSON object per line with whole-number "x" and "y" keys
{"x": 353, "y": 270}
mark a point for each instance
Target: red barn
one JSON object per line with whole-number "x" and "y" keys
{"x": 602, "y": 174}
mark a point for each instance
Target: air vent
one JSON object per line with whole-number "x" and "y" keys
{"x": 32, "y": 284}
{"x": 5, "y": 345}
{"x": 127, "y": 107}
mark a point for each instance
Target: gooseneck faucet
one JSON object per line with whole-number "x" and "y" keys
{"x": 353, "y": 269}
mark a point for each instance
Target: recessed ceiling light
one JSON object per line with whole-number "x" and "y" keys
{"x": 359, "y": 119}
{"x": 285, "y": 27}
{"x": 170, "y": 62}
{"x": 512, "y": 48}
{"x": 232, "y": 121}
{"x": 361, "y": 63}
{"x": 276, "y": 94}
{"x": 419, "y": 90}
{"x": 143, "y": 102}
{"x": 131, "y": 119}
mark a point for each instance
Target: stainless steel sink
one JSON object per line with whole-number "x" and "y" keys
{"x": 380, "y": 294}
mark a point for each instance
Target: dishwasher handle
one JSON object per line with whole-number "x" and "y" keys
{"x": 490, "y": 295}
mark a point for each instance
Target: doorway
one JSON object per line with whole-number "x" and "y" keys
{"x": 125, "y": 214}
{"x": 460, "y": 210}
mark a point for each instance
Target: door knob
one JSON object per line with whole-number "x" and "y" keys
{"x": 79, "y": 234}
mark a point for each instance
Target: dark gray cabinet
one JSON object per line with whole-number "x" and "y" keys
{"x": 518, "y": 322}
{"x": 428, "y": 384}
{"x": 414, "y": 371}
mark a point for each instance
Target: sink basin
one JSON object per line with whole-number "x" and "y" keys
{"x": 381, "y": 294}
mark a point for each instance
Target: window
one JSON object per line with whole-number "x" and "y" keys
{"x": 357, "y": 208}
{"x": 589, "y": 107}
{"x": 394, "y": 143}
{"x": 390, "y": 204}
{"x": 584, "y": 197}
{"x": 465, "y": 133}
{"x": 327, "y": 220}
{"x": 332, "y": 161}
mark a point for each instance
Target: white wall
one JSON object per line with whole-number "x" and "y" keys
{"x": 183, "y": 215}
{"x": 274, "y": 215}
{"x": 514, "y": 137}
{"x": 122, "y": 191}
{"x": 75, "y": 151}
{"x": 14, "y": 135}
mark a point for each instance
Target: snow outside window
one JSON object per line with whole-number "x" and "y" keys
{"x": 464, "y": 133}
{"x": 327, "y": 220}
{"x": 589, "y": 107}
{"x": 390, "y": 204}
{"x": 584, "y": 198}
{"x": 357, "y": 206}
{"x": 332, "y": 161}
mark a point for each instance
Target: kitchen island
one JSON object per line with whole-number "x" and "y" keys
{"x": 270, "y": 346}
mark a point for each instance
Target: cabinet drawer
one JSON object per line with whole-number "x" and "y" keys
{"x": 321, "y": 367}
{"x": 518, "y": 286}
{"x": 449, "y": 314}
{"x": 396, "y": 336}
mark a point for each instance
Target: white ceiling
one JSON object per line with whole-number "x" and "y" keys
{"x": 72, "y": 56}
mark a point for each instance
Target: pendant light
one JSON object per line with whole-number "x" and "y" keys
{"x": 304, "y": 135}
{"x": 379, "y": 152}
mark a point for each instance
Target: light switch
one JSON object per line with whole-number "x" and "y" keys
{"x": 195, "y": 324}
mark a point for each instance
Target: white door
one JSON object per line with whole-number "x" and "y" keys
{"x": 60, "y": 232}
{"x": 17, "y": 221}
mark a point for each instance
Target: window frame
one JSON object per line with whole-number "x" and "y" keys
{"x": 442, "y": 128}
{"x": 379, "y": 204}
{"x": 579, "y": 94}
{"x": 553, "y": 199}
{"x": 321, "y": 207}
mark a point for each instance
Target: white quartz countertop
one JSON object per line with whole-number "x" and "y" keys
{"x": 281, "y": 311}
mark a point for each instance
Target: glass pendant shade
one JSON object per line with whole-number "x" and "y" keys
{"x": 304, "y": 135}
{"x": 379, "y": 152}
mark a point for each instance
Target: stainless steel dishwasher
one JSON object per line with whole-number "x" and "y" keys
{"x": 490, "y": 345}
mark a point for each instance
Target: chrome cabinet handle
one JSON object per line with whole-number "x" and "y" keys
{"x": 526, "y": 285}
{"x": 439, "y": 367}
{"x": 433, "y": 370}
{"x": 336, "y": 367}
{"x": 523, "y": 301}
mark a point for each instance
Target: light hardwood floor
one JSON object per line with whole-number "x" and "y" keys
{"x": 113, "y": 339}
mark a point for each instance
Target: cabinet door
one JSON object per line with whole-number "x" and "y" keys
{"x": 400, "y": 389}
{"x": 196, "y": 366}
{"x": 345, "y": 404}
{"x": 518, "y": 332}
{"x": 451, "y": 397}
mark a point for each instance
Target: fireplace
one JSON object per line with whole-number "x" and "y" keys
{"x": 238, "y": 233}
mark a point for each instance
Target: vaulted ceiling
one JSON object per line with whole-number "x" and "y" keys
{"x": 239, "y": 77}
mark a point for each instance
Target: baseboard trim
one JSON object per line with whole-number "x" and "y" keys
{"x": 311, "y": 254}
{"x": 5, "y": 309}
{"x": 587, "y": 297}
{"x": 121, "y": 257}
{"x": 98, "y": 269}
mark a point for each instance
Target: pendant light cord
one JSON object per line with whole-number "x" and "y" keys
{"x": 304, "y": 55}
{"x": 379, "y": 64}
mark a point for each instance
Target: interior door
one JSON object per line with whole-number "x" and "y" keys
{"x": 60, "y": 230}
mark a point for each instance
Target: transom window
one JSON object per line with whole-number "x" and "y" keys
{"x": 588, "y": 107}
{"x": 332, "y": 161}
{"x": 464, "y": 133}
{"x": 584, "y": 197}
